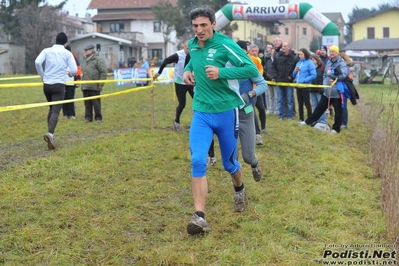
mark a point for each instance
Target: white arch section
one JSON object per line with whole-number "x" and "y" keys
{"x": 305, "y": 11}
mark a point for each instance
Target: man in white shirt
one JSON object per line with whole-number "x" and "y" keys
{"x": 57, "y": 59}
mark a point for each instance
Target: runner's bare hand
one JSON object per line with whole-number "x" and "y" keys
{"x": 212, "y": 72}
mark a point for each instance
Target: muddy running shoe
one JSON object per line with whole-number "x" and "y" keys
{"x": 266, "y": 131}
{"x": 197, "y": 225}
{"x": 257, "y": 173}
{"x": 176, "y": 126}
{"x": 49, "y": 138}
{"x": 258, "y": 139}
{"x": 240, "y": 200}
{"x": 211, "y": 161}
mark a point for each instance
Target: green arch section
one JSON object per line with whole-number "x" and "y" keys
{"x": 303, "y": 11}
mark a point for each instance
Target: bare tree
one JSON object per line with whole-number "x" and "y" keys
{"x": 39, "y": 26}
{"x": 168, "y": 15}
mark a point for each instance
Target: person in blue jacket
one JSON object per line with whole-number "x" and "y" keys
{"x": 331, "y": 94}
{"x": 304, "y": 73}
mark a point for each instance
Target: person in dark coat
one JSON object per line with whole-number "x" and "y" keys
{"x": 283, "y": 66}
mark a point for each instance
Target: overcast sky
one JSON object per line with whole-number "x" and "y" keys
{"x": 343, "y": 6}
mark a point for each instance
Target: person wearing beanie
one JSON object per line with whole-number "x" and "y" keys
{"x": 335, "y": 69}
{"x": 61, "y": 38}
{"x": 243, "y": 45}
{"x": 57, "y": 61}
{"x": 334, "y": 48}
{"x": 323, "y": 54}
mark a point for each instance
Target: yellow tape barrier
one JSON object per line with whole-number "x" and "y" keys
{"x": 26, "y": 106}
{"x": 32, "y": 105}
{"x": 38, "y": 84}
{"x": 35, "y": 76}
{"x": 299, "y": 85}
{"x": 23, "y": 77}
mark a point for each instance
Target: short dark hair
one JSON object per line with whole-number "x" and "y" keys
{"x": 202, "y": 11}
{"x": 305, "y": 52}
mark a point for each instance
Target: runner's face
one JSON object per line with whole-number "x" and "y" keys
{"x": 203, "y": 28}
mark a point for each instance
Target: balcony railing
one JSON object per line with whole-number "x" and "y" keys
{"x": 131, "y": 36}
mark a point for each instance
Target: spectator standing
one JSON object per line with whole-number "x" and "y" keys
{"x": 259, "y": 103}
{"x": 57, "y": 61}
{"x": 132, "y": 61}
{"x": 93, "y": 68}
{"x": 68, "y": 109}
{"x": 324, "y": 58}
{"x": 331, "y": 95}
{"x": 315, "y": 94}
{"x": 271, "y": 93}
{"x": 145, "y": 65}
{"x": 261, "y": 55}
{"x": 277, "y": 43}
{"x": 304, "y": 73}
{"x": 215, "y": 110}
{"x": 283, "y": 66}
{"x": 349, "y": 65}
{"x": 323, "y": 54}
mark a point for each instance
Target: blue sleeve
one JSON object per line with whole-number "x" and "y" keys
{"x": 312, "y": 73}
{"x": 261, "y": 85}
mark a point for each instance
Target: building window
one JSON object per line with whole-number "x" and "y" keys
{"x": 117, "y": 27}
{"x": 156, "y": 53}
{"x": 287, "y": 31}
{"x": 385, "y": 32}
{"x": 304, "y": 31}
{"x": 157, "y": 26}
{"x": 370, "y": 33}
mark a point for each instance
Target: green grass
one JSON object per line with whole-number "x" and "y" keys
{"x": 118, "y": 193}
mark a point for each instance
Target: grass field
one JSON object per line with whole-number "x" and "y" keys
{"x": 118, "y": 193}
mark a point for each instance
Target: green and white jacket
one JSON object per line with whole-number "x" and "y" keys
{"x": 216, "y": 96}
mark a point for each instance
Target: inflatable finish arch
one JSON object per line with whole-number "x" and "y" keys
{"x": 305, "y": 11}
